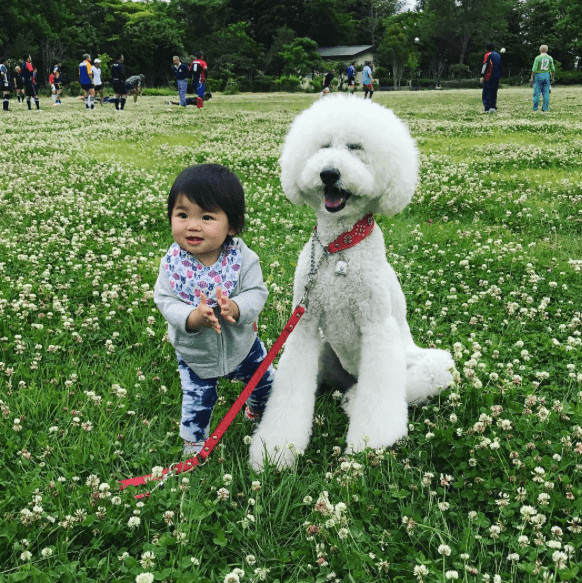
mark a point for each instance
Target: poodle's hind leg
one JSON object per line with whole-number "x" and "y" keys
{"x": 331, "y": 372}
{"x": 377, "y": 405}
{"x": 428, "y": 371}
{"x": 287, "y": 420}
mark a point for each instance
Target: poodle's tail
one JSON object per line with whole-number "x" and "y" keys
{"x": 428, "y": 371}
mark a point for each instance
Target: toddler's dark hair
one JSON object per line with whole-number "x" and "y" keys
{"x": 211, "y": 187}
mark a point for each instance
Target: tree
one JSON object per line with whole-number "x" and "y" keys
{"x": 465, "y": 24}
{"x": 376, "y": 12}
{"x": 398, "y": 43}
{"x": 301, "y": 57}
{"x": 235, "y": 54}
{"x": 273, "y": 60}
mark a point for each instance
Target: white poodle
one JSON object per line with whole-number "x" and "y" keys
{"x": 348, "y": 158}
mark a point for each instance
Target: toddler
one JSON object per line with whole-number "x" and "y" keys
{"x": 210, "y": 290}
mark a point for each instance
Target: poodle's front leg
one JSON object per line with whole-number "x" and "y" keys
{"x": 287, "y": 420}
{"x": 377, "y": 405}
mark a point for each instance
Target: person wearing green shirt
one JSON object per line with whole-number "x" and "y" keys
{"x": 542, "y": 73}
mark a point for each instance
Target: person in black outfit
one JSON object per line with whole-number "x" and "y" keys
{"x": 27, "y": 74}
{"x": 327, "y": 82}
{"x": 118, "y": 82}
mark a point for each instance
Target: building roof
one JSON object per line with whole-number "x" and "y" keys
{"x": 344, "y": 51}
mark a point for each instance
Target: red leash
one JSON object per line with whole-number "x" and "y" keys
{"x": 220, "y": 430}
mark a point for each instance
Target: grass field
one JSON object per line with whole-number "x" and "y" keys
{"x": 486, "y": 488}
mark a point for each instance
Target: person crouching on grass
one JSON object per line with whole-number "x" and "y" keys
{"x": 210, "y": 290}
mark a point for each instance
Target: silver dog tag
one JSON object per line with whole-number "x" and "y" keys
{"x": 341, "y": 267}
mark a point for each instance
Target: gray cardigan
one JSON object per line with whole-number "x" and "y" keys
{"x": 207, "y": 353}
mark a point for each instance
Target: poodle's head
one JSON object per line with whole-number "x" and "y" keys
{"x": 349, "y": 156}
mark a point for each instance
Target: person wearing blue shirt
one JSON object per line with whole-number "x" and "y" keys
{"x": 86, "y": 80}
{"x": 367, "y": 79}
{"x": 5, "y": 83}
{"x": 181, "y": 73}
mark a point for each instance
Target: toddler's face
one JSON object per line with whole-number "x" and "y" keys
{"x": 198, "y": 231}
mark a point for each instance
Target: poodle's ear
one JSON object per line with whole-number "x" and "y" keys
{"x": 288, "y": 183}
{"x": 402, "y": 168}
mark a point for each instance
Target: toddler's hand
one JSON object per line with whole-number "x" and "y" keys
{"x": 204, "y": 316}
{"x": 228, "y": 308}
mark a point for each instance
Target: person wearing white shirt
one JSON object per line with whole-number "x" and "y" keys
{"x": 97, "y": 80}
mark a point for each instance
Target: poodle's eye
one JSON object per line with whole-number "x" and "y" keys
{"x": 355, "y": 147}
{"x": 326, "y": 146}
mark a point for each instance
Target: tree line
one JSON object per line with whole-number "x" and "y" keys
{"x": 252, "y": 42}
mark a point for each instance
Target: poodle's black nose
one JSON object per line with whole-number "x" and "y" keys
{"x": 329, "y": 176}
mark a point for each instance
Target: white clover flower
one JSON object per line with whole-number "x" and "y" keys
{"x": 420, "y": 570}
{"x": 231, "y": 578}
{"x": 46, "y": 552}
{"x": 451, "y": 575}
{"x": 222, "y": 494}
{"x": 133, "y": 522}
{"x": 147, "y": 559}
{"x": 25, "y": 556}
{"x": 144, "y": 578}
{"x": 560, "y": 558}
{"x": 157, "y": 471}
{"x": 444, "y": 550}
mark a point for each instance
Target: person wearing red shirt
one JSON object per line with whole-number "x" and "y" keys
{"x": 27, "y": 74}
{"x": 198, "y": 70}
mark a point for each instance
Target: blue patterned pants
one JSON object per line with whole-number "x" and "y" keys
{"x": 200, "y": 395}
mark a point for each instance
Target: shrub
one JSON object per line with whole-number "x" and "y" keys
{"x": 231, "y": 87}
{"x": 214, "y": 85}
{"x": 461, "y": 83}
{"x": 569, "y": 77}
{"x": 158, "y": 91}
{"x": 460, "y": 71}
{"x": 289, "y": 83}
{"x": 74, "y": 88}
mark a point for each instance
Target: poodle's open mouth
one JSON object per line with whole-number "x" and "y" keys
{"x": 335, "y": 199}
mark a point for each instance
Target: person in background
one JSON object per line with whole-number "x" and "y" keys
{"x": 181, "y": 74}
{"x": 5, "y": 85}
{"x": 134, "y": 86}
{"x": 18, "y": 84}
{"x": 58, "y": 82}
{"x": 367, "y": 79}
{"x": 351, "y": 72}
{"x": 542, "y": 74}
{"x": 86, "y": 80}
{"x": 490, "y": 75}
{"x": 118, "y": 83}
{"x": 35, "y": 79}
{"x": 199, "y": 70}
{"x": 51, "y": 81}
{"x": 97, "y": 82}
{"x": 27, "y": 72}
{"x": 327, "y": 82}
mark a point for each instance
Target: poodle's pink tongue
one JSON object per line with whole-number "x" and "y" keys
{"x": 332, "y": 202}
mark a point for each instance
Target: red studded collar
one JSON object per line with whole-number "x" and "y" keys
{"x": 359, "y": 232}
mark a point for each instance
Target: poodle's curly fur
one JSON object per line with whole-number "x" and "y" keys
{"x": 347, "y": 157}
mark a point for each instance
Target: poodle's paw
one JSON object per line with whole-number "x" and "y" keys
{"x": 282, "y": 455}
{"x": 359, "y": 439}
